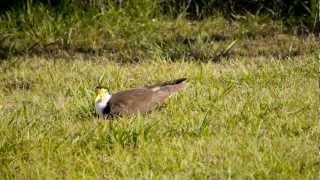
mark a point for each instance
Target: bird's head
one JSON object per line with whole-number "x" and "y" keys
{"x": 102, "y": 94}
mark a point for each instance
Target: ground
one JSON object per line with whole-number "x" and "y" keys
{"x": 242, "y": 117}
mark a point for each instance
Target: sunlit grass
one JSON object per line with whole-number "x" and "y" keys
{"x": 242, "y": 118}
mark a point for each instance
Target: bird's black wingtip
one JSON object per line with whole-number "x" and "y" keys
{"x": 177, "y": 81}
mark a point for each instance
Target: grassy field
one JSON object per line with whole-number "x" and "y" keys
{"x": 249, "y": 112}
{"x": 253, "y": 118}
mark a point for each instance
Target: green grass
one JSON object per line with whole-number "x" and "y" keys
{"x": 249, "y": 112}
{"x": 123, "y": 37}
{"x": 253, "y": 118}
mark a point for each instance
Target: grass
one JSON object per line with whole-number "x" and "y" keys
{"x": 127, "y": 38}
{"x": 249, "y": 112}
{"x": 252, "y": 118}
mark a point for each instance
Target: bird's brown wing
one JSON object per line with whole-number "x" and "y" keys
{"x": 144, "y": 99}
{"x": 137, "y": 100}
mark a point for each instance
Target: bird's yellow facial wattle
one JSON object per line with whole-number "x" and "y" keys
{"x": 101, "y": 94}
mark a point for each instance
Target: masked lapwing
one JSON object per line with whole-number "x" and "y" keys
{"x": 136, "y": 100}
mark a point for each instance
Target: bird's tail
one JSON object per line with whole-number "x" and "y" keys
{"x": 172, "y": 82}
{"x": 172, "y": 86}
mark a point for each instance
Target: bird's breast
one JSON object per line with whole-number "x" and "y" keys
{"x": 100, "y": 106}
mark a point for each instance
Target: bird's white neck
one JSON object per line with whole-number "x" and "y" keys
{"x": 102, "y": 104}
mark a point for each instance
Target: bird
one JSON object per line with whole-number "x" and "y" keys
{"x": 136, "y": 100}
